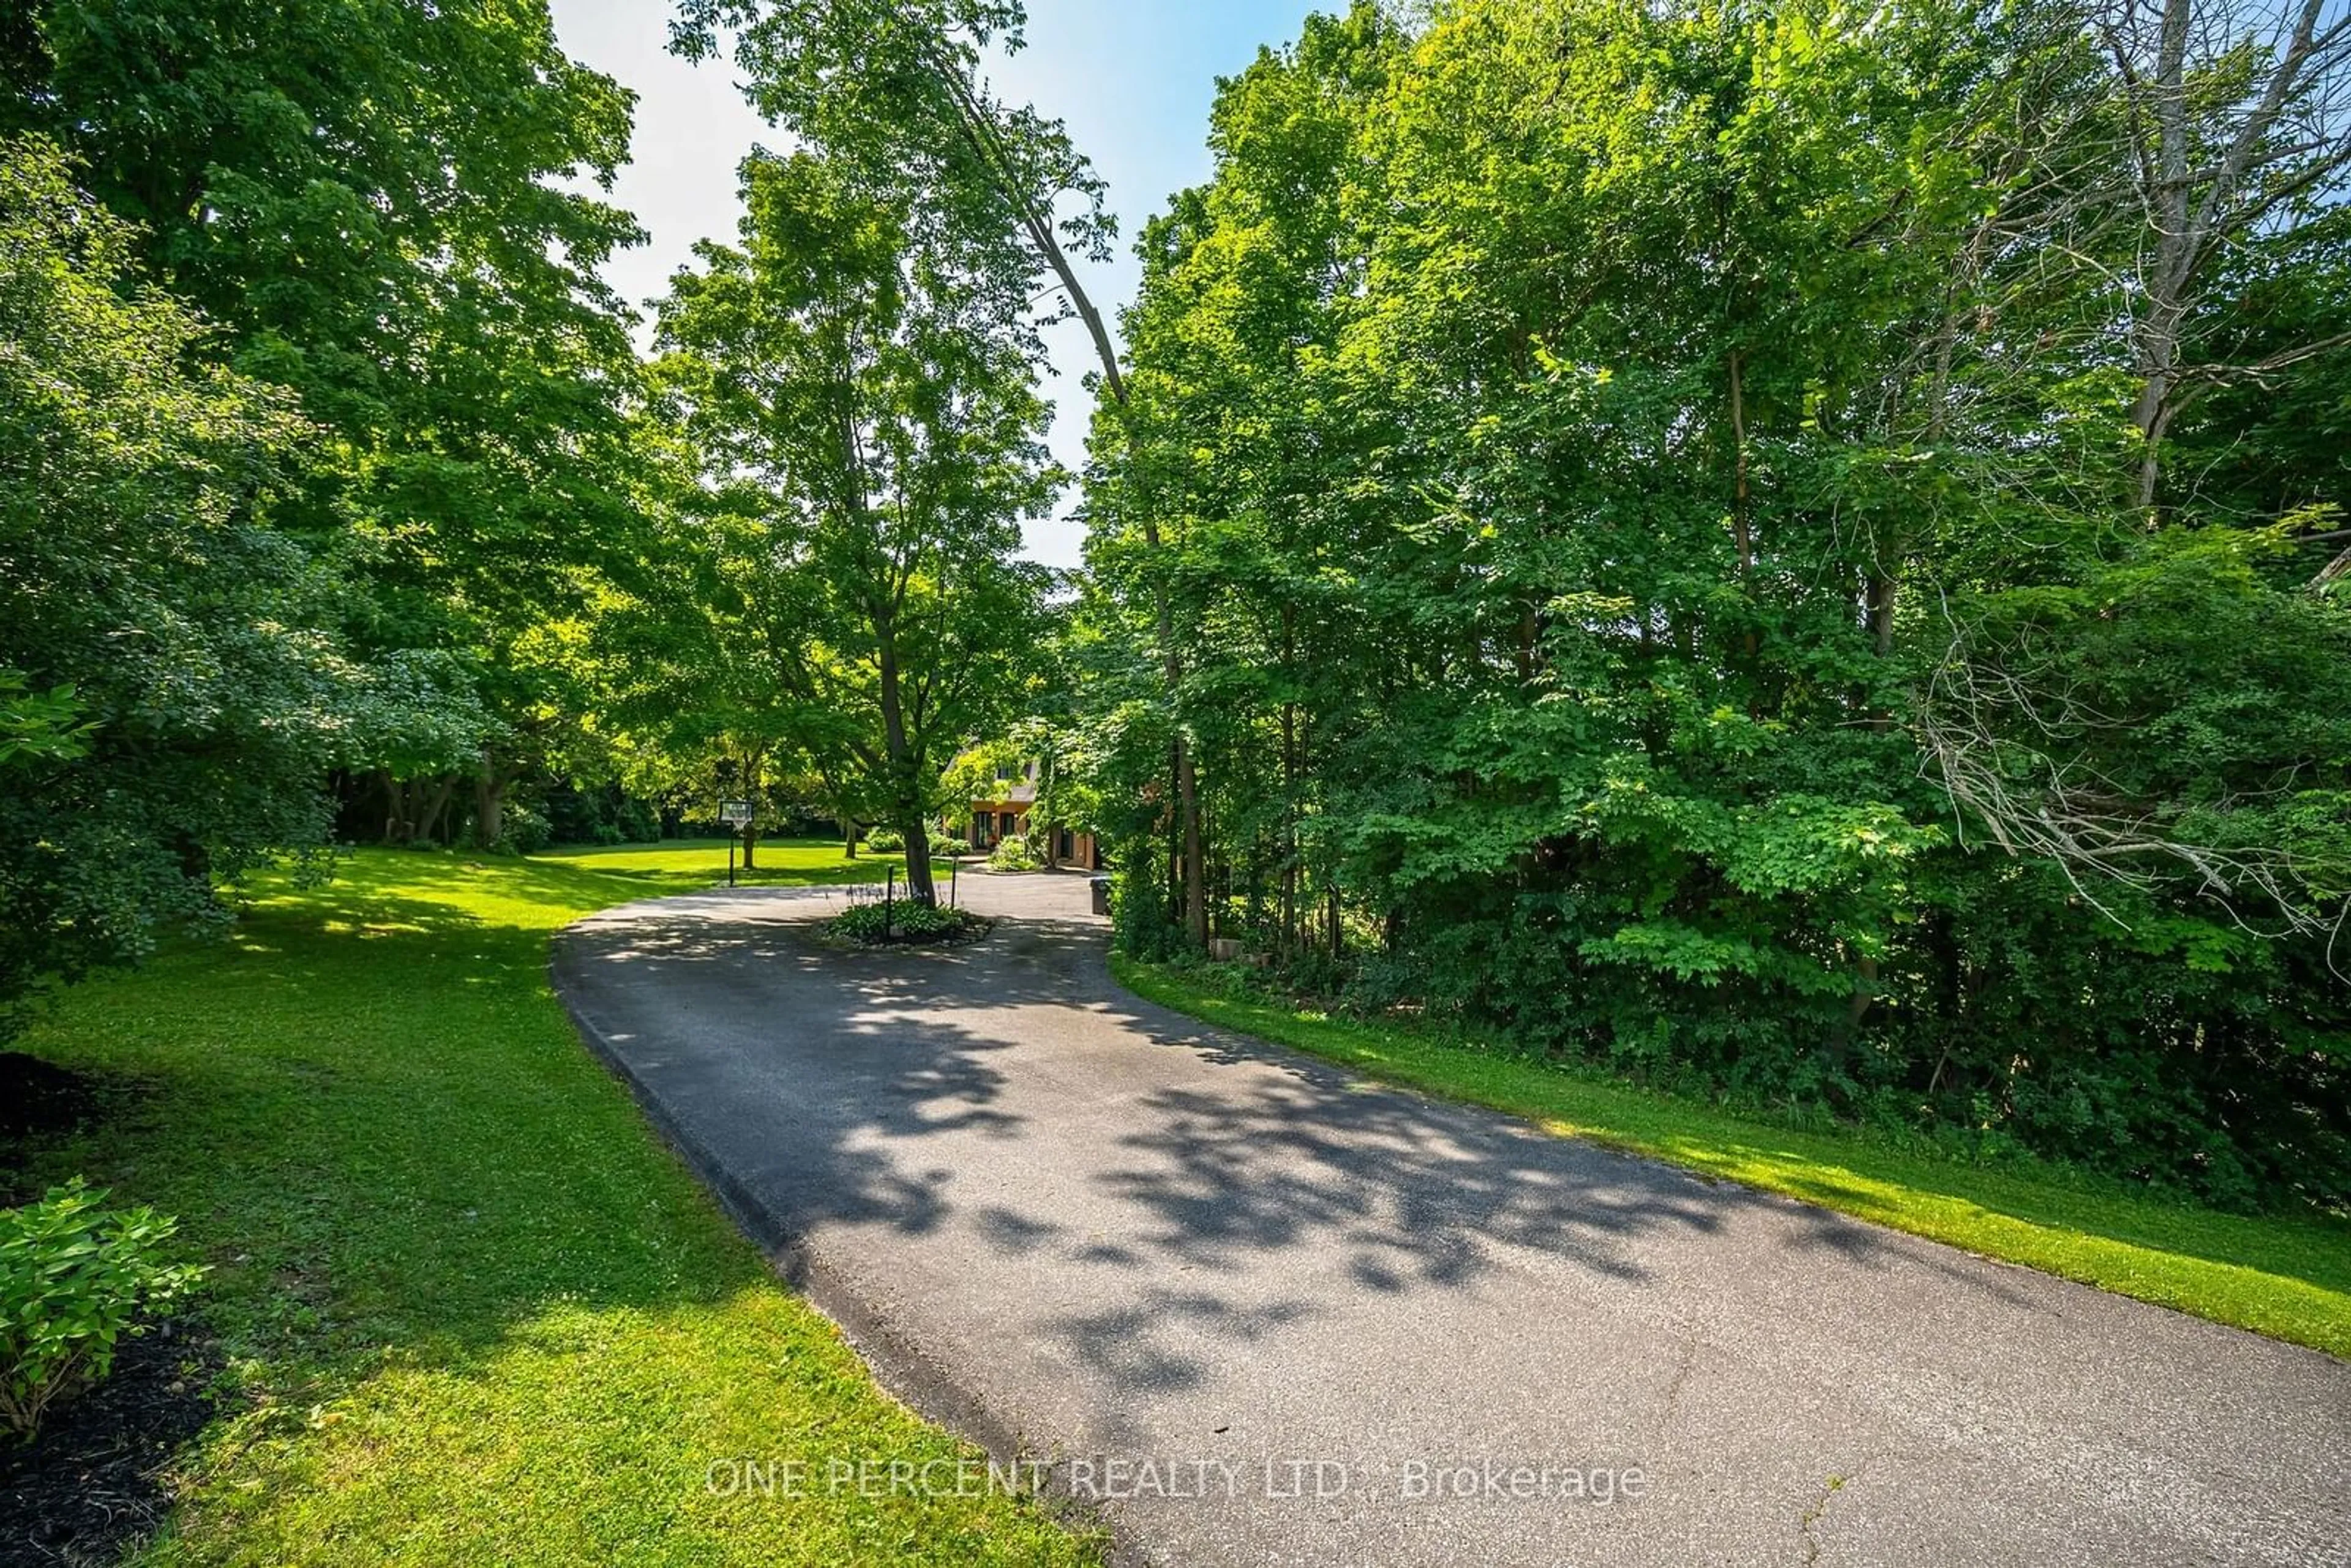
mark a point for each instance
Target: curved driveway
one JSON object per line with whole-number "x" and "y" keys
{"x": 1214, "y": 1278}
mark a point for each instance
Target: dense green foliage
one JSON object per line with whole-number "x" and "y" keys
{"x": 75, "y": 1278}
{"x": 1736, "y": 546}
{"x": 1015, "y": 852}
{"x": 857, "y": 384}
{"x": 313, "y": 427}
{"x": 173, "y": 693}
{"x": 338, "y": 503}
{"x": 857, "y": 381}
{"x": 361, "y": 194}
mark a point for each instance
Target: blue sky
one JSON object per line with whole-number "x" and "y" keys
{"x": 1134, "y": 78}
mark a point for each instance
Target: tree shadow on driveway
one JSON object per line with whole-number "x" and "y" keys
{"x": 1029, "y": 1133}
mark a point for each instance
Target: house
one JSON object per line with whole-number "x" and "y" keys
{"x": 1000, "y": 810}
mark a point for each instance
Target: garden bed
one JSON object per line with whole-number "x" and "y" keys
{"x": 902, "y": 922}
{"x": 98, "y": 1477}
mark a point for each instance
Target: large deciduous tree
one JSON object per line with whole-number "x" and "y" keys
{"x": 172, "y": 693}
{"x": 858, "y": 376}
{"x": 391, "y": 209}
{"x": 897, "y": 91}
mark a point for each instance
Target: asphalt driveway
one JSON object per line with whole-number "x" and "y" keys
{"x": 1266, "y": 1313}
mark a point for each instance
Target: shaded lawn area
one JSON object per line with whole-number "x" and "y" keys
{"x": 474, "y": 1312}
{"x": 2286, "y": 1276}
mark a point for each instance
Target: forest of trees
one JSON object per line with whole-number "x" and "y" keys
{"x": 1791, "y": 552}
{"x": 337, "y": 505}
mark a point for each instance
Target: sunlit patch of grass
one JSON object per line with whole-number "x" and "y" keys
{"x": 2286, "y": 1276}
{"x": 699, "y": 863}
{"x": 476, "y": 1312}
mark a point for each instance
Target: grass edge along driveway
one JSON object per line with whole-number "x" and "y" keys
{"x": 474, "y": 1312}
{"x": 2286, "y": 1276}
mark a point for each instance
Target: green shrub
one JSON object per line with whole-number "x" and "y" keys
{"x": 73, "y": 1276}
{"x": 885, "y": 840}
{"x": 637, "y": 823}
{"x": 908, "y": 922}
{"x": 1143, "y": 923}
{"x": 598, "y": 814}
{"x": 954, "y": 849}
{"x": 525, "y": 830}
{"x": 1015, "y": 853}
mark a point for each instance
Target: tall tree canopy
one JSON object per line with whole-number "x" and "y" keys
{"x": 171, "y": 688}
{"x": 319, "y": 422}
{"x": 372, "y": 199}
{"x": 1681, "y": 525}
{"x": 860, "y": 381}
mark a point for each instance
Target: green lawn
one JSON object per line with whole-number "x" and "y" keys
{"x": 697, "y": 862}
{"x": 2287, "y": 1277}
{"x": 480, "y": 1315}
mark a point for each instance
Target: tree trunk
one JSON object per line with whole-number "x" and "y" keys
{"x": 430, "y": 818}
{"x": 2165, "y": 280}
{"x": 1045, "y": 808}
{"x": 754, "y": 777}
{"x": 1742, "y": 532}
{"x": 1195, "y": 857}
{"x": 2206, "y": 182}
{"x": 395, "y": 815}
{"x": 905, "y": 771}
{"x": 195, "y": 857}
{"x": 489, "y": 804}
{"x": 1190, "y": 851}
{"x": 1172, "y": 820}
{"x": 919, "y": 885}
{"x": 1878, "y": 599}
{"x": 1742, "y": 537}
{"x": 1288, "y": 829}
{"x": 2160, "y": 352}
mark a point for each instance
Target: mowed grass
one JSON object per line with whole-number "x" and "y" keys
{"x": 698, "y": 862}
{"x": 477, "y": 1315}
{"x": 2289, "y": 1277}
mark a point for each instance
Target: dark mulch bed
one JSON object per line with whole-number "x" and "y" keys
{"x": 93, "y": 1483}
